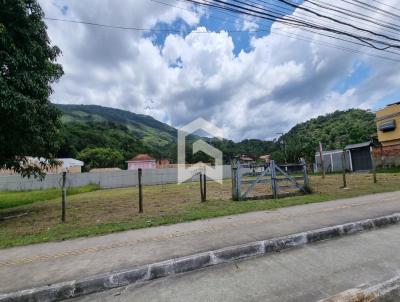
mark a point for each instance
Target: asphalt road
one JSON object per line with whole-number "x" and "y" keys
{"x": 302, "y": 274}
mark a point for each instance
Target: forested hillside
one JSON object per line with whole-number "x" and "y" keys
{"x": 334, "y": 130}
{"x": 103, "y": 132}
{"x": 105, "y": 137}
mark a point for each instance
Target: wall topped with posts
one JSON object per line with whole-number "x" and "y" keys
{"x": 106, "y": 180}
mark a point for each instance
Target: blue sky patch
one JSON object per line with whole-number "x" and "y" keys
{"x": 360, "y": 72}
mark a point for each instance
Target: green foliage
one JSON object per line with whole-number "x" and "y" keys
{"x": 335, "y": 131}
{"x": 10, "y": 199}
{"x": 76, "y": 136}
{"x": 101, "y": 158}
{"x": 28, "y": 122}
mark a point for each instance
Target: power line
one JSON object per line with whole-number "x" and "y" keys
{"x": 341, "y": 22}
{"x": 356, "y": 15}
{"x": 387, "y": 5}
{"x": 278, "y": 31}
{"x": 269, "y": 15}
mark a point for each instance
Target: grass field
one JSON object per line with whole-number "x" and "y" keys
{"x": 10, "y": 199}
{"x": 105, "y": 211}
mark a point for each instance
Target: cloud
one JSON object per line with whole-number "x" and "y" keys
{"x": 286, "y": 77}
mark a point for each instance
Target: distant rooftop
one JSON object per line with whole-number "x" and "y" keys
{"x": 70, "y": 162}
{"x": 360, "y": 145}
{"x": 141, "y": 157}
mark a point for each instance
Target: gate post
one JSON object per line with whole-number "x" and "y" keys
{"x": 234, "y": 178}
{"x": 273, "y": 180}
{"x": 238, "y": 180}
{"x": 306, "y": 182}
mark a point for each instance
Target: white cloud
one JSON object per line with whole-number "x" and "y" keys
{"x": 281, "y": 81}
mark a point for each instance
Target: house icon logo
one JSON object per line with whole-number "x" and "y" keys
{"x": 216, "y": 172}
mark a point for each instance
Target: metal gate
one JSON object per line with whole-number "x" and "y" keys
{"x": 268, "y": 173}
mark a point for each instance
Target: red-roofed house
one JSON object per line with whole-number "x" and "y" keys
{"x": 143, "y": 161}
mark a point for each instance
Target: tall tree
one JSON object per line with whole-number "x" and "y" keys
{"x": 29, "y": 123}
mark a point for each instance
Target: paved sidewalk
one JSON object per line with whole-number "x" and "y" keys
{"x": 48, "y": 263}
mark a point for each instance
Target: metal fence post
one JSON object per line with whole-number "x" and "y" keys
{"x": 273, "y": 180}
{"x": 140, "y": 190}
{"x": 63, "y": 195}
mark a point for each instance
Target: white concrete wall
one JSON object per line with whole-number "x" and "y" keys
{"x": 113, "y": 179}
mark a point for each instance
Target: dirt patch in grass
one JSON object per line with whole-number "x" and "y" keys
{"x": 112, "y": 210}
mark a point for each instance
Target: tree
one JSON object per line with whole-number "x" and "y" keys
{"x": 29, "y": 123}
{"x": 101, "y": 158}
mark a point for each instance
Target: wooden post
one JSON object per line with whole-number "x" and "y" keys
{"x": 321, "y": 155}
{"x": 306, "y": 181}
{"x": 344, "y": 169}
{"x": 140, "y": 190}
{"x": 373, "y": 166}
{"x": 238, "y": 181}
{"x": 63, "y": 195}
{"x": 273, "y": 180}
{"x": 201, "y": 187}
{"x": 204, "y": 187}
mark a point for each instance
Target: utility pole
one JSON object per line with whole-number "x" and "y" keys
{"x": 321, "y": 155}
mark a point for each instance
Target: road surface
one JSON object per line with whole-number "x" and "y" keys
{"x": 306, "y": 274}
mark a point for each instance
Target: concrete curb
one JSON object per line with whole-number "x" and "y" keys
{"x": 388, "y": 291}
{"x": 101, "y": 282}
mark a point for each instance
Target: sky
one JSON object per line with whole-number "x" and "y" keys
{"x": 252, "y": 78}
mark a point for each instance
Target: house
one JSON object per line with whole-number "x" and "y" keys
{"x": 388, "y": 128}
{"x": 265, "y": 158}
{"x": 357, "y": 157}
{"x": 143, "y": 161}
{"x": 246, "y": 158}
{"x": 70, "y": 165}
{"x": 360, "y": 156}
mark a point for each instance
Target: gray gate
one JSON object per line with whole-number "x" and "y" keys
{"x": 244, "y": 183}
